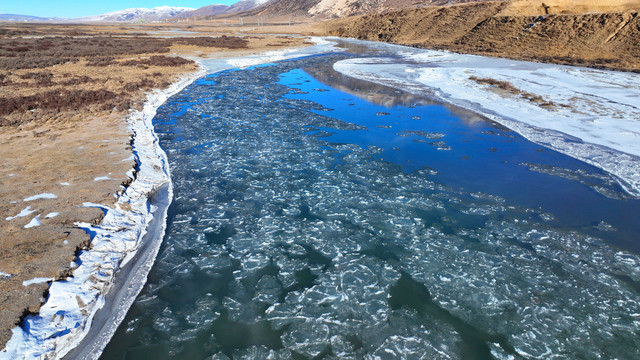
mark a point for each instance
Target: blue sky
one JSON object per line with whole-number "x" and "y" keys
{"x": 77, "y": 8}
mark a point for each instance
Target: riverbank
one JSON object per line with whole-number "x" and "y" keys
{"x": 62, "y": 161}
{"x": 67, "y": 315}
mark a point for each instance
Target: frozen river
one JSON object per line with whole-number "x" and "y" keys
{"x": 320, "y": 216}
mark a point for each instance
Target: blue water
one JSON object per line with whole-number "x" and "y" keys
{"x": 320, "y": 217}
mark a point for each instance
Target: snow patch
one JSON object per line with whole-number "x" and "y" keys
{"x": 321, "y": 46}
{"x": 41, "y": 196}
{"x": 39, "y": 280}
{"x": 51, "y": 215}
{"x": 102, "y": 178}
{"x": 34, "y": 222}
{"x": 25, "y": 212}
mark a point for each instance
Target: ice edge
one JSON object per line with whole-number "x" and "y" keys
{"x": 66, "y": 317}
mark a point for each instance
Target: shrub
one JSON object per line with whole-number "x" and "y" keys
{"x": 158, "y": 60}
{"x": 229, "y": 42}
{"x": 30, "y": 53}
{"x": 37, "y": 75}
{"x": 55, "y": 99}
{"x": 101, "y": 61}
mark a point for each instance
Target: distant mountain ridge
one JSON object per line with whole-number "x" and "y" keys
{"x": 137, "y": 14}
{"x": 26, "y": 18}
{"x": 310, "y": 8}
{"x": 219, "y": 9}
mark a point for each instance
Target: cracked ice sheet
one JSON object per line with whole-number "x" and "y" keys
{"x": 596, "y": 118}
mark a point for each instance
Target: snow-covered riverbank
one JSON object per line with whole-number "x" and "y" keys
{"x": 66, "y": 317}
{"x": 592, "y": 115}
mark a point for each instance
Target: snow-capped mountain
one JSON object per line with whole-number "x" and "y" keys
{"x": 138, "y": 14}
{"x": 247, "y": 5}
{"x": 219, "y": 9}
{"x": 209, "y": 10}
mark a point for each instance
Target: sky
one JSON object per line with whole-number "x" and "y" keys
{"x": 77, "y": 8}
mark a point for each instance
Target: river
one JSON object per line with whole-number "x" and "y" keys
{"x": 317, "y": 216}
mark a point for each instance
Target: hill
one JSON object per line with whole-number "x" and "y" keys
{"x": 219, "y": 9}
{"x": 566, "y": 35}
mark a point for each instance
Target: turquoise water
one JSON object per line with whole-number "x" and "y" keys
{"x": 319, "y": 217}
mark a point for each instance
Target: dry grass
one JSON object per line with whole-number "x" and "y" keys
{"x": 507, "y": 87}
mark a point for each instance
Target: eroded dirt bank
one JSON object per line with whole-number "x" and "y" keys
{"x": 607, "y": 40}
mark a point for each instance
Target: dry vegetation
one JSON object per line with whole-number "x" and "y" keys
{"x": 507, "y": 87}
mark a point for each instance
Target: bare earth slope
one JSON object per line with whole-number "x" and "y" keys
{"x": 607, "y": 40}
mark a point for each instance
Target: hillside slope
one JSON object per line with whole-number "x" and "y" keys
{"x": 610, "y": 40}
{"x": 325, "y": 9}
